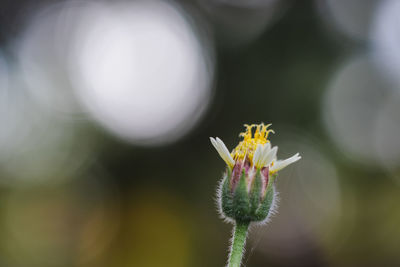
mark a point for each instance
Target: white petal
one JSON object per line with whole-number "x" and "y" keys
{"x": 270, "y": 156}
{"x": 222, "y": 145}
{"x": 222, "y": 151}
{"x": 258, "y": 155}
{"x": 280, "y": 164}
{"x": 228, "y": 158}
{"x": 267, "y": 148}
{"x": 216, "y": 145}
{"x": 213, "y": 142}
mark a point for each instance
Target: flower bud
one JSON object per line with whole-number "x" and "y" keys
{"x": 247, "y": 191}
{"x": 247, "y": 196}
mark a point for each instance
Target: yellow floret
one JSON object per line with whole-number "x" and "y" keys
{"x": 248, "y": 145}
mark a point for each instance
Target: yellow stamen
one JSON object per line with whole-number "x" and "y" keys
{"x": 247, "y": 147}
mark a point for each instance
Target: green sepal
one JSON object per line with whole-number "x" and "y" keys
{"x": 265, "y": 206}
{"x": 255, "y": 193}
{"x": 226, "y": 195}
{"x": 271, "y": 180}
{"x": 241, "y": 200}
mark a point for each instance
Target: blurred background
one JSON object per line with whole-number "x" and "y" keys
{"x": 106, "y": 108}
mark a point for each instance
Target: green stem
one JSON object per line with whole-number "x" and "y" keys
{"x": 239, "y": 239}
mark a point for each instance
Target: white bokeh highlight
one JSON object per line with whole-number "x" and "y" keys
{"x": 42, "y": 51}
{"x": 387, "y": 132}
{"x": 140, "y": 70}
{"x": 352, "y": 18}
{"x": 385, "y": 38}
{"x": 3, "y": 76}
{"x": 350, "y": 106}
{"x": 35, "y": 145}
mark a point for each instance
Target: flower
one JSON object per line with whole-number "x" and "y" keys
{"x": 254, "y": 150}
{"x": 247, "y": 191}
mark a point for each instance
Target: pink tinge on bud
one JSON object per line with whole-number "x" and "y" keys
{"x": 264, "y": 179}
{"x": 236, "y": 173}
{"x": 247, "y": 166}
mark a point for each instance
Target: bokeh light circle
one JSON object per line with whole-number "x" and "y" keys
{"x": 240, "y": 22}
{"x": 4, "y": 102}
{"x": 48, "y": 148}
{"x": 352, "y": 101}
{"x": 42, "y": 52}
{"x": 141, "y": 70}
{"x": 385, "y": 38}
{"x": 352, "y": 18}
{"x": 3, "y": 76}
{"x": 387, "y": 132}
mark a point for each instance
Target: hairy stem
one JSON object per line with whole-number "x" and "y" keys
{"x": 239, "y": 239}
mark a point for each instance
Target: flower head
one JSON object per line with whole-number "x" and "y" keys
{"x": 247, "y": 192}
{"x": 254, "y": 151}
